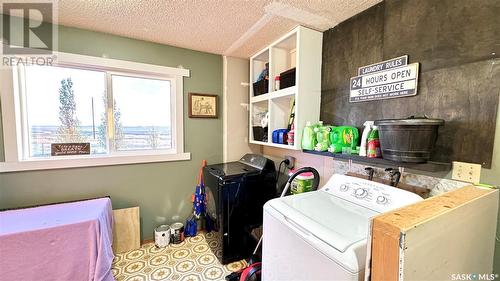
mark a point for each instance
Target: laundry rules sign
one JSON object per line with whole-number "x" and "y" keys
{"x": 389, "y": 79}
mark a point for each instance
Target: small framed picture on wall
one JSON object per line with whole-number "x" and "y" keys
{"x": 203, "y": 106}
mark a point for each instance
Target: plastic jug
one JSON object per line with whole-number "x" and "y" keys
{"x": 302, "y": 183}
{"x": 373, "y": 147}
{"x": 308, "y": 137}
{"x": 364, "y": 137}
{"x": 343, "y": 136}
{"x": 280, "y": 136}
{"x": 322, "y": 137}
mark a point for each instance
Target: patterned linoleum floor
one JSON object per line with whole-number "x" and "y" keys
{"x": 192, "y": 260}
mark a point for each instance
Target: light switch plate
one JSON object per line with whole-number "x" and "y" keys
{"x": 467, "y": 172}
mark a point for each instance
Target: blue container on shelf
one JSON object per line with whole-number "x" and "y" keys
{"x": 280, "y": 136}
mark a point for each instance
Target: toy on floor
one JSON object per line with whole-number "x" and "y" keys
{"x": 199, "y": 199}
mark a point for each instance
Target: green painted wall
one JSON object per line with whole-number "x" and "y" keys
{"x": 162, "y": 190}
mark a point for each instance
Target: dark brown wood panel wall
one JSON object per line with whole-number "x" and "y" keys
{"x": 457, "y": 43}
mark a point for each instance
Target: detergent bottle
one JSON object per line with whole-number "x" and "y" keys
{"x": 291, "y": 135}
{"x": 373, "y": 147}
{"x": 343, "y": 136}
{"x": 322, "y": 137}
{"x": 308, "y": 137}
{"x": 364, "y": 137}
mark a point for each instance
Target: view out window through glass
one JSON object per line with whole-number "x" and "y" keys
{"x": 71, "y": 105}
{"x": 142, "y": 113}
{"x": 64, "y": 105}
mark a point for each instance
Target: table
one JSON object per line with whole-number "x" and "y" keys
{"x": 66, "y": 241}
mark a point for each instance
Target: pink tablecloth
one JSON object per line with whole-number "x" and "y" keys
{"x": 63, "y": 242}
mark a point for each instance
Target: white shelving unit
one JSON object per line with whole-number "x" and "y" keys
{"x": 300, "y": 48}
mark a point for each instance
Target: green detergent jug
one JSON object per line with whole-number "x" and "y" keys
{"x": 308, "y": 137}
{"x": 322, "y": 137}
{"x": 343, "y": 136}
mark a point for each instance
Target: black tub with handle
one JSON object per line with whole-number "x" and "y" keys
{"x": 410, "y": 140}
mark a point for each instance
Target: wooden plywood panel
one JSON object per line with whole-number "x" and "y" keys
{"x": 407, "y": 217}
{"x": 443, "y": 235}
{"x": 442, "y": 33}
{"x": 461, "y": 241}
{"x": 457, "y": 82}
{"x": 384, "y": 263}
{"x": 126, "y": 230}
{"x": 353, "y": 43}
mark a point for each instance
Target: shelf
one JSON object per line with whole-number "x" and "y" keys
{"x": 284, "y": 146}
{"x": 257, "y": 66}
{"x": 283, "y": 92}
{"x": 260, "y": 98}
{"x": 300, "y": 49}
{"x": 276, "y": 94}
{"x": 259, "y": 142}
{"x": 428, "y": 167}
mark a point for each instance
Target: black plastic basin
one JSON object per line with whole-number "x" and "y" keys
{"x": 408, "y": 140}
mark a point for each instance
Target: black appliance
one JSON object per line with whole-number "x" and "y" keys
{"x": 236, "y": 193}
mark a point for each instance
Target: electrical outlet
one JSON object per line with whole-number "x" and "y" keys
{"x": 292, "y": 161}
{"x": 467, "y": 172}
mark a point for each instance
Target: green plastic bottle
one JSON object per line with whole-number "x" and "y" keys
{"x": 343, "y": 136}
{"x": 373, "y": 145}
{"x": 322, "y": 137}
{"x": 308, "y": 137}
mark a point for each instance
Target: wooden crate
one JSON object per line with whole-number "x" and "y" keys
{"x": 453, "y": 233}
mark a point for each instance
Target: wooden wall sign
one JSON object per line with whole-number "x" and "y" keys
{"x": 66, "y": 149}
{"x": 392, "y": 78}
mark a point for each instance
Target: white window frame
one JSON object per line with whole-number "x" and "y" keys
{"x": 14, "y": 118}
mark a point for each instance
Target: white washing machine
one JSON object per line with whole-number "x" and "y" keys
{"x": 322, "y": 235}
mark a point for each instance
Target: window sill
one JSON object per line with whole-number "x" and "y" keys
{"x": 49, "y": 164}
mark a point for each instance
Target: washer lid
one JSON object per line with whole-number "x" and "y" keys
{"x": 336, "y": 222}
{"x": 231, "y": 170}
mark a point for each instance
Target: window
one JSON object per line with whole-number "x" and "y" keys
{"x": 64, "y": 105}
{"x": 121, "y": 112}
{"x": 142, "y": 121}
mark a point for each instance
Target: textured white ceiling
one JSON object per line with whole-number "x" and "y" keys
{"x": 231, "y": 27}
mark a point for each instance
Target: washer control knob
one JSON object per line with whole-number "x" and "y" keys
{"x": 344, "y": 187}
{"x": 360, "y": 193}
{"x": 382, "y": 200}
